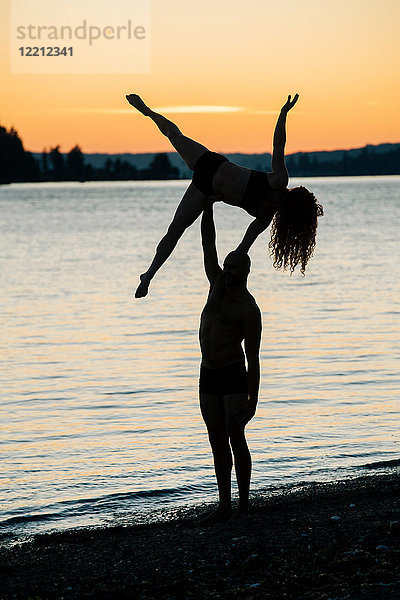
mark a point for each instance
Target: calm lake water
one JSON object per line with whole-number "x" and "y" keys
{"x": 99, "y": 408}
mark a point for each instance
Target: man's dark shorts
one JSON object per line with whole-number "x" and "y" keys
{"x": 223, "y": 381}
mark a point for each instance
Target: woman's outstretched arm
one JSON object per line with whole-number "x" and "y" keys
{"x": 253, "y": 231}
{"x": 280, "y": 174}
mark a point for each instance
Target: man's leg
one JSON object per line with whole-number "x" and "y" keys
{"x": 213, "y": 413}
{"x": 235, "y": 407}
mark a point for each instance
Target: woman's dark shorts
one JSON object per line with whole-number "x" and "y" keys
{"x": 226, "y": 380}
{"x": 204, "y": 171}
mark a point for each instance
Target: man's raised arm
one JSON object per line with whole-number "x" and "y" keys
{"x": 208, "y": 241}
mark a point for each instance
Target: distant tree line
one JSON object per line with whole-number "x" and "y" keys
{"x": 19, "y": 165}
{"x": 16, "y": 164}
{"x": 366, "y": 162}
{"x": 54, "y": 167}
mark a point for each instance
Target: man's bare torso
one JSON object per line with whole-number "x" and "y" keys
{"x": 222, "y": 325}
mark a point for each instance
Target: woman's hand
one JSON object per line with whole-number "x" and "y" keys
{"x": 289, "y": 104}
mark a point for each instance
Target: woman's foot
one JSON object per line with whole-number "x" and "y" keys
{"x": 136, "y": 101}
{"x": 143, "y": 286}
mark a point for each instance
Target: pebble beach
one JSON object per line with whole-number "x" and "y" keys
{"x": 326, "y": 541}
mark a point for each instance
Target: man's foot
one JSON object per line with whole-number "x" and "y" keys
{"x": 240, "y": 516}
{"x": 143, "y": 286}
{"x": 136, "y": 101}
{"x": 219, "y": 515}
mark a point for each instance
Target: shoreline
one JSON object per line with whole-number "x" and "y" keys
{"x": 291, "y": 548}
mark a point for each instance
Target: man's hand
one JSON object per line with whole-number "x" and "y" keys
{"x": 210, "y": 201}
{"x": 248, "y": 413}
{"x": 214, "y": 198}
{"x": 289, "y": 104}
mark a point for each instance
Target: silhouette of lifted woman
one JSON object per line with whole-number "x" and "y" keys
{"x": 263, "y": 195}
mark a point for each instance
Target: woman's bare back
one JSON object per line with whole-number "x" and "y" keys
{"x": 230, "y": 182}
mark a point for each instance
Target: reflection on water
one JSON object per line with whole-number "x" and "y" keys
{"x": 99, "y": 391}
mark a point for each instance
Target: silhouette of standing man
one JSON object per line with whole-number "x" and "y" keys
{"x": 228, "y": 393}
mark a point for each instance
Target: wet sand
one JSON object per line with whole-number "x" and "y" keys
{"x": 337, "y": 541}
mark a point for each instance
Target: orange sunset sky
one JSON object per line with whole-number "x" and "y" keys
{"x": 222, "y": 69}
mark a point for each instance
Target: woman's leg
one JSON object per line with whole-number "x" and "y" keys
{"x": 189, "y": 208}
{"x": 188, "y": 149}
{"x": 192, "y": 203}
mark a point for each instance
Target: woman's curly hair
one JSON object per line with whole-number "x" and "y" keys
{"x": 294, "y": 228}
